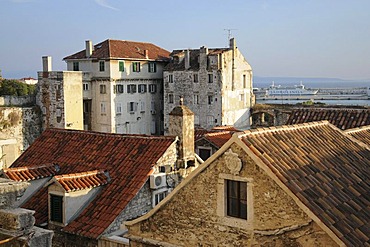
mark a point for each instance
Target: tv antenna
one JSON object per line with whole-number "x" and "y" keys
{"x": 229, "y": 33}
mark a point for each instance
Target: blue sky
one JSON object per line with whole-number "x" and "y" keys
{"x": 312, "y": 38}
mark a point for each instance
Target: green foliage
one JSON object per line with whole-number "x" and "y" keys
{"x": 15, "y": 88}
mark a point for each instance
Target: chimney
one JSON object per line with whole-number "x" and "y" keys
{"x": 182, "y": 125}
{"x": 89, "y": 48}
{"x": 187, "y": 59}
{"x": 203, "y": 57}
{"x": 232, "y": 43}
{"x": 46, "y": 64}
{"x": 146, "y": 54}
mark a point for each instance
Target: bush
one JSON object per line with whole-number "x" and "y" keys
{"x": 15, "y": 88}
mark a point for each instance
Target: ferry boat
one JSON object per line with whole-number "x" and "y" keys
{"x": 294, "y": 91}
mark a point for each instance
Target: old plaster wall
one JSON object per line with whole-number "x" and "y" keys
{"x": 23, "y": 126}
{"x": 190, "y": 218}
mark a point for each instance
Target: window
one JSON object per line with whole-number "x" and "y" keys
{"x": 118, "y": 108}
{"x": 121, "y": 66}
{"x": 241, "y": 97}
{"x": 170, "y": 98}
{"x": 244, "y": 81}
{"x": 76, "y": 66}
{"x": 210, "y": 120}
{"x": 103, "y": 89}
{"x": 132, "y": 107}
{"x": 152, "y": 67}
{"x": 142, "y": 88}
{"x": 142, "y": 106}
{"x": 210, "y": 99}
{"x": 195, "y": 78}
{"x": 131, "y": 88}
{"x": 236, "y": 199}
{"x": 56, "y": 208}
{"x": 158, "y": 196}
{"x": 205, "y": 152}
{"x": 153, "y": 128}
{"x": 196, "y": 99}
{"x": 119, "y": 88}
{"x": 136, "y": 66}
{"x": 101, "y": 66}
{"x": 152, "y": 88}
{"x": 102, "y": 108}
{"x": 85, "y": 86}
{"x": 170, "y": 78}
{"x": 210, "y": 78}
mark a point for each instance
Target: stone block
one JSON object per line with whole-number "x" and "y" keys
{"x": 17, "y": 219}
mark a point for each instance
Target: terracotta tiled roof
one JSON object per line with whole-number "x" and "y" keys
{"x": 200, "y": 132}
{"x": 218, "y": 139}
{"x": 342, "y": 118}
{"x": 123, "y": 49}
{"x": 361, "y": 133}
{"x": 325, "y": 169}
{"x": 82, "y": 180}
{"x": 26, "y": 173}
{"x": 128, "y": 158}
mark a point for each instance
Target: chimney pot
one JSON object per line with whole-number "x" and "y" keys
{"x": 46, "y": 64}
{"x": 89, "y": 48}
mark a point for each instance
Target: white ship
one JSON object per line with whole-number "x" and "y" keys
{"x": 294, "y": 91}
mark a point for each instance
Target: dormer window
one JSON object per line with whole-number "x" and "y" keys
{"x": 56, "y": 208}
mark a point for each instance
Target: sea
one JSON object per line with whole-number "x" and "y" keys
{"x": 315, "y": 83}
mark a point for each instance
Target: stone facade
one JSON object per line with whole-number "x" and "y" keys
{"x": 216, "y": 85}
{"x": 270, "y": 115}
{"x": 195, "y": 214}
{"x": 59, "y": 96}
{"x": 19, "y": 127}
{"x": 17, "y": 224}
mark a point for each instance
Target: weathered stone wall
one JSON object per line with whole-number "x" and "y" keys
{"x": 63, "y": 239}
{"x": 26, "y": 100}
{"x": 22, "y": 124}
{"x": 191, "y": 219}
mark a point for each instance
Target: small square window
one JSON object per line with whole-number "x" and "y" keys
{"x": 196, "y": 99}
{"x": 101, "y": 66}
{"x": 76, "y": 66}
{"x": 170, "y": 98}
{"x": 210, "y": 78}
{"x": 152, "y": 67}
{"x": 121, "y": 66}
{"x": 118, "y": 108}
{"x": 119, "y": 88}
{"x": 132, "y": 107}
{"x": 103, "y": 89}
{"x": 102, "y": 108}
{"x": 136, "y": 66}
{"x": 210, "y": 99}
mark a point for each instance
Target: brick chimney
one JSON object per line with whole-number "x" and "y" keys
{"x": 89, "y": 48}
{"x": 46, "y": 64}
{"x": 181, "y": 124}
{"x": 146, "y": 54}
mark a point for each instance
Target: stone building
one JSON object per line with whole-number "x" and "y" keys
{"x": 299, "y": 185}
{"x": 59, "y": 96}
{"x": 123, "y": 86}
{"x": 216, "y": 85}
{"x": 84, "y": 185}
{"x": 17, "y": 224}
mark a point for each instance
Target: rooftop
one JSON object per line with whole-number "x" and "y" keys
{"x": 128, "y": 159}
{"x": 26, "y": 173}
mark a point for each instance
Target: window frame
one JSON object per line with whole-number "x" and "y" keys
{"x": 152, "y": 88}
{"x": 210, "y": 78}
{"x": 85, "y": 86}
{"x": 195, "y": 78}
{"x": 142, "y": 88}
{"x": 152, "y": 67}
{"x": 131, "y": 88}
{"x": 170, "y": 78}
{"x": 59, "y": 218}
{"x": 222, "y": 206}
{"x": 103, "y": 88}
{"x": 76, "y": 66}
{"x": 121, "y": 66}
{"x": 163, "y": 191}
{"x": 101, "y": 66}
{"x": 136, "y": 67}
{"x": 170, "y": 98}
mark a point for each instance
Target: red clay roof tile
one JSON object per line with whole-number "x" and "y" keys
{"x": 118, "y": 154}
{"x": 26, "y": 173}
{"x": 328, "y": 171}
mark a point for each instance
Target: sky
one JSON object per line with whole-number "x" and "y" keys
{"x": 279, "y": 38}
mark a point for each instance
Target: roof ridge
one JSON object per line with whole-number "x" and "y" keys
{"x": 218, "y": 133}
{"x": 361, "y": 128}
{"x": 80, "y": 174}
{"x": 24, "y": 168}
{"x": 283, "y": 127}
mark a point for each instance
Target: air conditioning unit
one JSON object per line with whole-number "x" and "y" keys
{"x": 158, "y": 180}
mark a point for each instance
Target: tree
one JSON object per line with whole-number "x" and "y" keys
{"x": 15, "y": 88}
